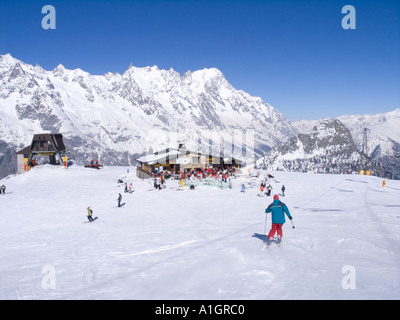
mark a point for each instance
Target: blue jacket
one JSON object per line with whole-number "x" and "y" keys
{"x": 278, "y": 210}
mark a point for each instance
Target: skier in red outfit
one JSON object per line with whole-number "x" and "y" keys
{"x": 278, "y": 210}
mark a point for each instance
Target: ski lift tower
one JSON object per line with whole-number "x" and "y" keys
{"x": 365, "y": 142}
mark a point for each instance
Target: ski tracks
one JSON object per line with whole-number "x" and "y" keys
{"x": 163, "y": 248}
{"x": 189, "y": 247}
{"x": 386, "y": 228}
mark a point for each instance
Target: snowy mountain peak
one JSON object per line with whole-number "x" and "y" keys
{"x": 7, "y": 60}
{"x": 329, "y": 147}
{"x": 208, "y": 73}
{"x": 331, "y": 131}
{"x": 116, "y": 117}
{"x": 383, "y": 134}
{"x": 59, "y": 68}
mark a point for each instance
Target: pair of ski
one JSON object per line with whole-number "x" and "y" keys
{"x": 278, "y": 242}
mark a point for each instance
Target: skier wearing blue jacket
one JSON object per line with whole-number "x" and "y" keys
{"x": 278, "y": 210}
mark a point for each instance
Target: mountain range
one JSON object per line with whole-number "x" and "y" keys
{"x": 328, "y": 148}
{"x": 383, "y": 134}
{"x": 117, "y": 117}
{"x": 380, "y": 133}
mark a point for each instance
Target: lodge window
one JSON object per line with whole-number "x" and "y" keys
{"x": 195, "y": 160}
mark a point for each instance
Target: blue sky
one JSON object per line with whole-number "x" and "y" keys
{"x": 295, "y": 55}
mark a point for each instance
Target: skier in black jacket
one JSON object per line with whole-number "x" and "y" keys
{"x": 119, "y": 200}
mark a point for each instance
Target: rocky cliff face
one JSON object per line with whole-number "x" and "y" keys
{"x": 328, "y": 148}
{"x": 383, "y": 139}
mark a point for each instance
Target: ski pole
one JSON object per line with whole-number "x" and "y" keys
{"x": 265, "y": 227}
{"x": 292, "y": 223}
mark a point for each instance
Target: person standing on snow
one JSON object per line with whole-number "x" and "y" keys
{"x": 158, "y": 183}
{"x": 278, "y": 210}
{"x": 283, "y": 190}
{"x": 119, "y": 199}
{"x": 89, "y": 214}
{"x": 261, "y": 193}
{"x": 269, "y": 189}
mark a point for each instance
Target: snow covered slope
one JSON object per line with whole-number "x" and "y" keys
{"x": 114, "y": 117}
{"x": 201, "y": 244}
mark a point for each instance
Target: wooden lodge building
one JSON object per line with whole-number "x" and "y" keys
{"x": 179, "y": 160}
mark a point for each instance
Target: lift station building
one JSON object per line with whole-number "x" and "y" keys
{"x": 44, "y": 144}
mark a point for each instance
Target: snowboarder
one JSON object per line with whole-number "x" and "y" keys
{"x": 3, "y": 189}
{"x": 283, "y": 190}
{"x": 119, "y": 199}
{"x": 243, "y": 188}
{"x": 89, "y": 214}
{"x": 278, "y": 210}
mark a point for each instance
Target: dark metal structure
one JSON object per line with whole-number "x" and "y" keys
{"x": 365, "y": 142}
{"x": 44, "y": 144}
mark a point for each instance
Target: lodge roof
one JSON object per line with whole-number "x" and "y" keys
{"x": 172, "y": 154}
{"x": 25, "y": 151}
{"x": 157, "y": 157}
{"x": 56, "y": 140}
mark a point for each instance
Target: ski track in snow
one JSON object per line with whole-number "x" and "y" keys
{"x": 202, "y": 244}
{"x": 164, "y": 248}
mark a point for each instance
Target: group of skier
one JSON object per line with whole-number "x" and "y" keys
{"x": 90, "y": 211}
{"x": 128, "y": 188}
{"x": 194, "y": 175}
{"x": 159, "y": 182}
{"x": 277, "y": 208}
{"x": 264, "y": 189}
{"x": 204, "y": 173}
